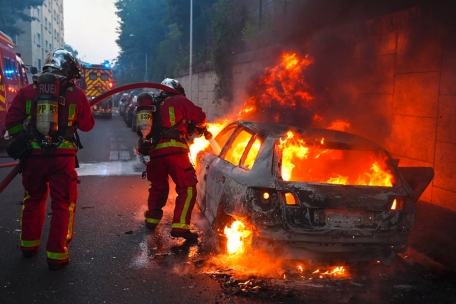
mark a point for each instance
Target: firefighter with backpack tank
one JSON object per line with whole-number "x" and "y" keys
{"x": 55, "y": 108}
{"x": 168, "y": 152}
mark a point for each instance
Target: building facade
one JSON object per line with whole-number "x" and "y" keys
{"x": 42, "y": 35}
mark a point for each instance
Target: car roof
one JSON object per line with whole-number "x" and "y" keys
{"x": 334, "y": 138}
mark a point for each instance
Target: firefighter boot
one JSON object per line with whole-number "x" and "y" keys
{"x": 29, "y": 253}
{"x": 150, "y": 226}
{"x": 186, "y": 234}
{"x": 57, "y": 264}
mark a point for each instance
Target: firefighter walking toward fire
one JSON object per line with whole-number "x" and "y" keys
{"x": 55, "y": 108}
{"x": 174, "y": 117}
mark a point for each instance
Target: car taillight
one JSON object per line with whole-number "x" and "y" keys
{"x": 290, "y": 199}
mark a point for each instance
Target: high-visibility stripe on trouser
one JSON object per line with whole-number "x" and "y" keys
{"x": 33, "y": 215}
{"x": 57, "y": 255}
{"x": 158, "y": 193}
{"x": 185, "y": 201}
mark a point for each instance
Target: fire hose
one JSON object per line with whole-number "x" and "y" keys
{"x": 18, "y": 165}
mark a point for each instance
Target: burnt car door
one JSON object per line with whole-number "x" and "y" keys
{"x": 207, "y": 172}
{"x": 236, "y": 159}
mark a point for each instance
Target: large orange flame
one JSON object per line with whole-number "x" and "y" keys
{"x": 200, "y": 143}
{"x": 315, "y": 163}
{"x": 280, "y": 89}
{"x": 236, "y": 235}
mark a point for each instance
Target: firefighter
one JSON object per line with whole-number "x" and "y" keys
{"x": 170, "y": 156}
{"x": 55, "y": 109}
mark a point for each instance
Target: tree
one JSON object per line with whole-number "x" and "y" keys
{"x": 11, "y": 11}
{"x": 160, "y": 30}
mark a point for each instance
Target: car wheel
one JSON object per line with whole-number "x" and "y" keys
{"x": 133, "y": 127}
{"x": 129, "y": 123}
{"x": 221, "y": 221}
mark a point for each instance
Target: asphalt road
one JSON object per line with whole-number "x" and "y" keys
{"x": 115, "y": 259}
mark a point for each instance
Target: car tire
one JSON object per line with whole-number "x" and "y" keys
{"x": 220, "y": 222}
{"x": 129, "y": 123}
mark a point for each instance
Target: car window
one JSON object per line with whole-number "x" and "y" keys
{"x": 93, "y": 76}
{"x": 237, "y": 147}
{"x": 223, "y": 137}
{"x": 335, "y": 166}
{"x": 250, "y": 154}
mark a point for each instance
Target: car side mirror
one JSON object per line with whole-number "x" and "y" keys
{"x": 33, "y": 70}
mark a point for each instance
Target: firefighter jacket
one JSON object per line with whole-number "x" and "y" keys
{"x": 76, "y": 113}
{"x": 176, "y": 111}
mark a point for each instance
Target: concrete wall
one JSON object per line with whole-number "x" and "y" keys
{"x": 415, "y": 88}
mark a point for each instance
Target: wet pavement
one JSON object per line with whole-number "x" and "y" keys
{"x": 114, "y": 258}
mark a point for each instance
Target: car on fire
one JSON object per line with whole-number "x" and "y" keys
{"x": 309, "y": 194}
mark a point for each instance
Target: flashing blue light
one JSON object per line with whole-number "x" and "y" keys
{"x": 107, "y": 65}
{"x": 89, "y": 65}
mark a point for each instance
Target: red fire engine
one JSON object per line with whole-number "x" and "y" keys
{"x": 13, "y": 76}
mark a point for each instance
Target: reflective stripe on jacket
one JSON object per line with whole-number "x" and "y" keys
{"x": 177, "y": 110}
{"x": 75, "y": 113}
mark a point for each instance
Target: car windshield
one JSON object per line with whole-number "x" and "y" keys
{"x": 320, "y": 163}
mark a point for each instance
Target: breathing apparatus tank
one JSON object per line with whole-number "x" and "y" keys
{"x": 47, "y": 106}
{"x": 144, "y": 113}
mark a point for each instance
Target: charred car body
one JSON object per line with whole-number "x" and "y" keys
{"x": 312, "y": 194}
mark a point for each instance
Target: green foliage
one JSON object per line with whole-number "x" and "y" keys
{"x": 249, "y": 31}
{"x": 160, "y": 29}
{"x": 12, "y": 11}
{"x": 227, "y": 24}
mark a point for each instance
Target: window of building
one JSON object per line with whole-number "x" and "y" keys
{"x": 39, "y": 65}
{"x": 45, "y": 22}
{"x": 38, "y": 38}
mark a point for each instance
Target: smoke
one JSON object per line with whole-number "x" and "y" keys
{"x": 356, "y": 48}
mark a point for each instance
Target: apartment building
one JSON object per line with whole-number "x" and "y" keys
{"x": 42, "y": 35}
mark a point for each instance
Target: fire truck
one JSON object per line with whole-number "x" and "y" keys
{"x": 13, "y": 76}
{"x": 95, "y": 80}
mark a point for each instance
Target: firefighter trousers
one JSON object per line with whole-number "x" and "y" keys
{"x": 55, "y": 175}
{"x": 181, "y": 170}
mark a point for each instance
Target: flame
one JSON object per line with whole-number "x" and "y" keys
{"x": 236, "y": 236}
{"x": 335, "y": 271}
{"x": 280, "y": 89}
{"x": 339, "y": 125}
{"x": 312, "y": 162}
{"x": 200, "y": 143}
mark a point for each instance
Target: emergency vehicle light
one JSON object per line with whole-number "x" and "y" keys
{"x": 107, "y": 65}
{"x": 89, "y": 65}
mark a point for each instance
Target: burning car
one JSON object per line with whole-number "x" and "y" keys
{"x": 309, "y": 194}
